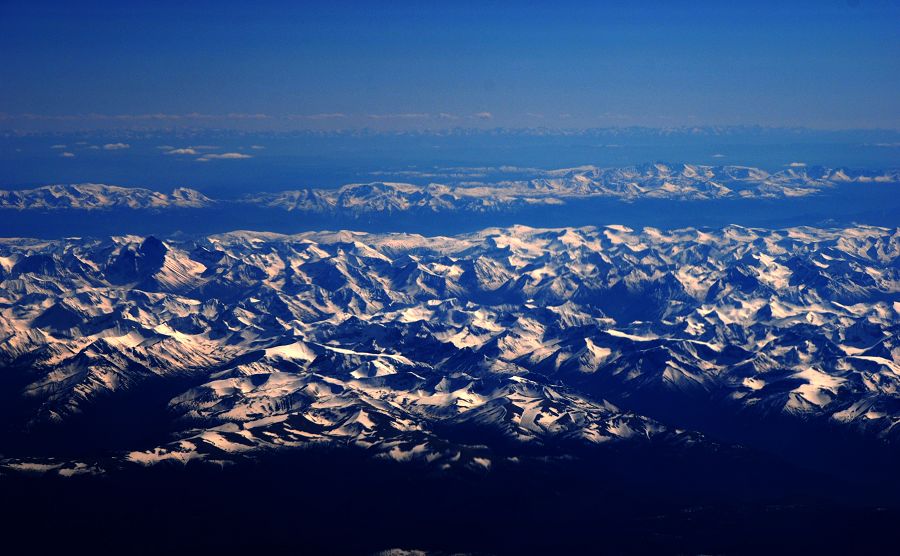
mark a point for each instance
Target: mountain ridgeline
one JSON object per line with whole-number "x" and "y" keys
{"x": 466, "y": 190}
{"x": 466, "y": 352}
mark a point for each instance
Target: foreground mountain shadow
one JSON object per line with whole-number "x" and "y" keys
{"x": 325, "y": 502}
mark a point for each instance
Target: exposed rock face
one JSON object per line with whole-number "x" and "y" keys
{"x": 396, "y": 343}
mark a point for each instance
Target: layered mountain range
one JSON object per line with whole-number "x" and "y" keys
{"x": 92, "y": 196}
{"x": 465, "y": 192}
{"x": 504, "y": 345}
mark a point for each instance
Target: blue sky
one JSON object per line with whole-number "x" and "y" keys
{"x": 343, "y": 65}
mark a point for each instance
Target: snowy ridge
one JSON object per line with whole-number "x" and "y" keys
{"x": 650, "y": 181}
{"x": 91, "y": 196}
{"x": 403, "y": 345}
{"x": 468, "y": 194}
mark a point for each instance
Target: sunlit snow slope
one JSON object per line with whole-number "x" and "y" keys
{"x": 451, "y": 351}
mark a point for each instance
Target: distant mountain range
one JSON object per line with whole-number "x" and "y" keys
{"x": 466, "y": 193}
{"x": 506, "y": 345}
{"x": 91, "y": 196}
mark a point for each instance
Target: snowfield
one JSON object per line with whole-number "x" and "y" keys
{"x": 452, "y": 352}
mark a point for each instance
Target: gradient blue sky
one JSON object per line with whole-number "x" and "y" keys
{"x": 338, "y": 65}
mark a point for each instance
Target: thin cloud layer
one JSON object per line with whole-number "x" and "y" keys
{"x": 401, "y": 116}
{"x": 223, "y": 156}
{"x": 239, "y": 120}
{"x": 134, "y": 117}
{"x": 315, "y": 117}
